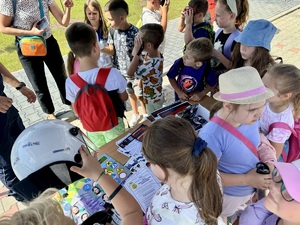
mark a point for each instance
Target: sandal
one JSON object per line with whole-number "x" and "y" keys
{"x": 51, "y": 117}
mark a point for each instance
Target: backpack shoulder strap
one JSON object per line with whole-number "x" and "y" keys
{"x": 228, "y": 43}
{"x": 282, "y": 125}
{"x": 102, "y": 76}
{"x": 77, "y": 80}
{"x": 217, "y": 33}
{"x": 227, "y": 126}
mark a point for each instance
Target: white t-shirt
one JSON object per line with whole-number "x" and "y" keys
{"x": 115, "y": 81}
{"x": 277, "y": 135}
{"x": 149, "y": 16}
{"x": 164, "y": 210}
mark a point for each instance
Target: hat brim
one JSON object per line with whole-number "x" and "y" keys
{"x": 248, "y": 100}
{"x": 290, "y": 175}
{"x": 251, "y": 40}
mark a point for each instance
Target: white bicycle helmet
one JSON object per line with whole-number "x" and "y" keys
{"x": 44, "y": 143}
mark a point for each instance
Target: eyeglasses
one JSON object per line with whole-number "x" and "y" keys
{"x": 277, "y": 179}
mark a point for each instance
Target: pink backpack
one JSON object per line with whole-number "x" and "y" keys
{"x": 294, "y": 140}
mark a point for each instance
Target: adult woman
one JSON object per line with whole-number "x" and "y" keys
{"x": 20, "y": 18}
{"x": 242, "y": 98}
{"x": 282, "y": 204}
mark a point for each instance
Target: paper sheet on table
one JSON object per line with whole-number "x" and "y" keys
{"x": 142, "y": 185}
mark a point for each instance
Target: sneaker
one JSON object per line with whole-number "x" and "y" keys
{"x": 144, "y": 118}
{"x": 134, "y": 119}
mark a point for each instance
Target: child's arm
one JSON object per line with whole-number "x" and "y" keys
{"x": 164, "y": 15}
{"x": 198, "y": 95}
{"x": 226, "y": 62}
{"x": 14, "y": 82}
{"x": 125, "y": 204}
{"x": 108, "y": 50}
{"x": 188, "y": 33}
{"x": 181, "y": 24}
{"x": 278, "y": 148}
{"x": 62, "y": 18}
{"x": 136, "y": 56}
{"x": 251, "y": 178}
{"x": 182, "y": 95}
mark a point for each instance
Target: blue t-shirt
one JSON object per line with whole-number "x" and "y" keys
{"x": 190, "y": 80}
{"x": 234, "y": 156}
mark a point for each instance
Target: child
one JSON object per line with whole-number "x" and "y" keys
{"x": 254, "y": 45}
{"x": 284, "y": 81}
{"x": 45, "y": 211}
{"x": 94, "y": 17}
{"x": 193, "y": 71}
{"x": 121, "y": 45}
{"x": 230, "y": 15}
{"x": 192, "y": 22}
{"x": 155, "y": 13}
{"x": 150, "y": 71}
{"x": 242, "y": 98}
{"x": 191, "y": 192}
{"x": 83, "y": 42}
{"x": 282, "y": 204}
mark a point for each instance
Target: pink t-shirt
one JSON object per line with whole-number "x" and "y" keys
{"x": 277, "y": 135}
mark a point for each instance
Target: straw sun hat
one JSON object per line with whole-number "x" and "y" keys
{"x": 242, "y": 86}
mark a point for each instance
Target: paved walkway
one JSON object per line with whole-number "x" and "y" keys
{"x": 286, "y": 43}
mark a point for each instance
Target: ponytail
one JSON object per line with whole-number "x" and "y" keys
{"x": 70, "y": 63}
{"x": 215, "y": 108}
{"x": 205, "y": 190}
{"x": 243, "y": 13}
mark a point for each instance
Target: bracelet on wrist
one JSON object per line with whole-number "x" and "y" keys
{"x": 115, "y": 192}
{"x": 101, "y": 174}
{"x": 22, "y": 84}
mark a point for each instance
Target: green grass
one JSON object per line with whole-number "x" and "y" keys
{"x": 8, "y": 54}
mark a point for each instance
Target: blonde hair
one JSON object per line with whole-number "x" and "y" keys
{"x": 201, "y": 49}
{"x": 242, "y": 10}
{"x": 41, "y": 211}
{"x": 103, "y": 29}
{"x": 287, "y": 80}
{"x": 169, "y": 143}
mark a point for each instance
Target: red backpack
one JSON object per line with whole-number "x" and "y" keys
{"x": 93, "y": 104}
{"x": 294, "y": 140}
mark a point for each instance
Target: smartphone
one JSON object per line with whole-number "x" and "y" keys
{"x": 42, "y": 24}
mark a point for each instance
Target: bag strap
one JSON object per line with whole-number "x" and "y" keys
{"x": 228, "y": 43}
{"x": 283, "y": 126}
{"x": 227, "y": 126}
{"x": 14, "y": 2}
{"x": 41, "y": 9}
{"x": 102, "y": 76}
{"x": 78, "y": 81}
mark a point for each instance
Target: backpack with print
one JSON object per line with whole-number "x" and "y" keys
{"x": 93, "y": 104}
{"x": 293, "y": 152}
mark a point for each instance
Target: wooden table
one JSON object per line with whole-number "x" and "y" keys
{"x": 111, "y": 148}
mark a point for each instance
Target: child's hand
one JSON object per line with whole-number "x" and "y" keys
{"x": 138, "y": 42}
{"x": 196, "y": 96}
{"x": 256, "y": 180}
{"x": 90, "y": 167}
{"x": 183, "y": 96}
{"x": 68, "y": 3}
{"x": 165, "y": 8}
{"x": 189, "y": 15}
{"x": 182, "y": 14}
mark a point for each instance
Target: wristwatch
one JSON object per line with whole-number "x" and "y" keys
{"x": 22, "y": 84}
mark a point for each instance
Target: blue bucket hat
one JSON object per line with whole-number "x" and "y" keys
{"x": 257, "y": 33}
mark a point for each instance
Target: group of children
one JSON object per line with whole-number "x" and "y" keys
{"x": 208, "y": 176}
